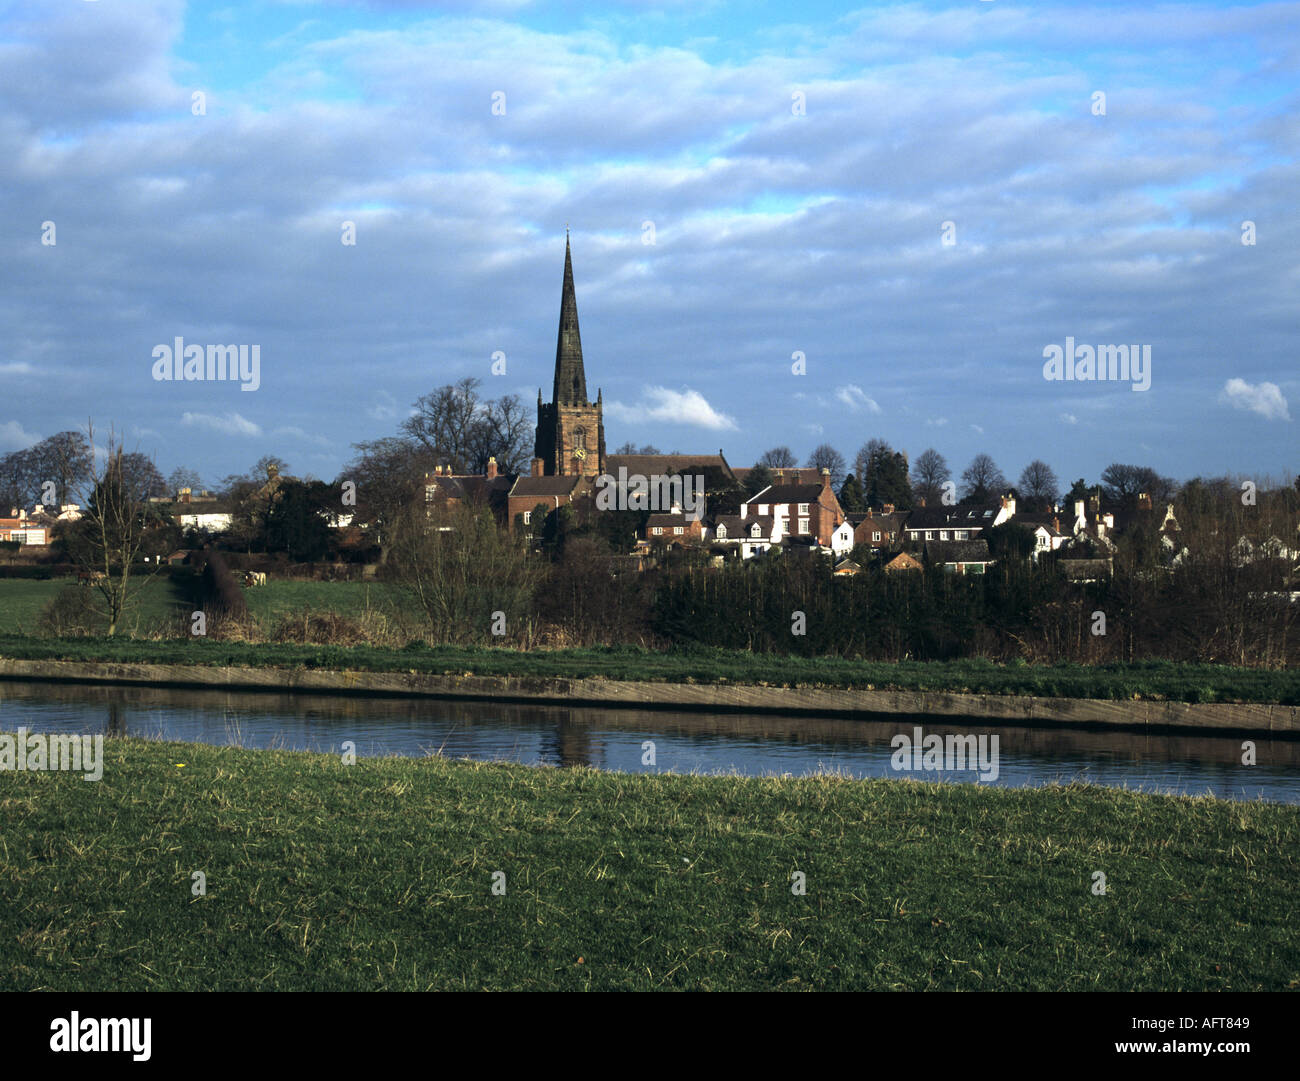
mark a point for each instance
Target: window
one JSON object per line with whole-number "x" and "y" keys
{"x": 762, "y": 509}
{"x": 528, "y": 517}
{"x": 943, "y": 534}
{"x": 657, "y": 531}
{"x": 803, "y": 508}
{"x": 722, "y": 532}
{"x": 678, "y": 530}
{"x": 876, "y": 535}
{"x": 929, "y": 534}
{"x": 755, "y": 530}
{"x": 961, "y": 534}
{"x": 803, "y": 525}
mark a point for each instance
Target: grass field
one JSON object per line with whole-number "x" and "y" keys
{"x": 379, "y": 875}
{"x": 1155, "y": 679}
{"x": 159, "y": 602}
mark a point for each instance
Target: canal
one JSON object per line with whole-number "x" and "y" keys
{"x": 658, "y": 741}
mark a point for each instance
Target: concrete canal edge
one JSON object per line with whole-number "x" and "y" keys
{"x": 1259, "y": 718}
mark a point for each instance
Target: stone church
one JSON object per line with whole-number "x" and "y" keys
{"x": 570, "y": 428}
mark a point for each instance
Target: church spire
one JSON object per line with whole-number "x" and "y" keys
{"x": 570, "y": 379}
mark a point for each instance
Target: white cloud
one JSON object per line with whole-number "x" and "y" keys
{"x": 17, "y": 367}
{"x": 856, "y": 398}
{"x": 978, "y": 429}
{"x": 294, "y": 432}
{"x": 937, "y": 422}
{"x": 14, "y": 437}
{"x": 669, "y": 406}
{"x": 231, "y": 423}
{"x": 1069, "y": 418}
{"x": 1263, "y": 398}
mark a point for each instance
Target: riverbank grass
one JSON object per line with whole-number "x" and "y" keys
{"x": 380, "y": 875}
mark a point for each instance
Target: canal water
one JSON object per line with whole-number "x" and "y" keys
{"x": 656, "y": 741}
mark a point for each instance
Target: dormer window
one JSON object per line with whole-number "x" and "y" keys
{"x": 755, "y": 530}
{"x": 722, "y": 531}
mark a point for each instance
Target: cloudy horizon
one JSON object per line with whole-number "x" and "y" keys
{"x": 911, "y": 204}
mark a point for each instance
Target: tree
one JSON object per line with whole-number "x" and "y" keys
{"x": 116, "y": 526}
{"x": 1122, "y": 484}
{"x": 824, "y": 456}
{"x": 929, "y": 475}
{"x": 778, "y": 458}
{"x": 758, "y": 478}
{"x": 1038, "y": 486}
{"x": 884, "y": 475}
{"x": 630, "y": 448}
{"x": 389, "y": 477}
{"x": 982, "y": 480}
{"x": 459, "y": 429}
{"x": 297, "y": 519}
{"x": 181, "y": 477}
{"x": 462, "y": 575}
{"x": 1078, "y": 490}
{"x": 45, "y": 472}
{"x": 851, "y": 498}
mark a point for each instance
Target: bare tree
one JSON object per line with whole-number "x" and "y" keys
{"x": 929, "y": 475}
{"x": 982, "y": 480}
{"x": 115, "y": 528}
{"x": 1123, "y": 484}
{"x": 824, "y": 456}
{"x": 1039, "y": 488}
{"x": 779, "y": 458}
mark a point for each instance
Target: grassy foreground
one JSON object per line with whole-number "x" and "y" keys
{"x": 1149, "y": 679}
{"x": 378, "y": 875}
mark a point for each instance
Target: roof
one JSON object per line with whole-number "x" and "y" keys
{"x": 736, "y": 525}
{"x": 544, "y": 487}
{"x": 969, "y": 551}
{"x": 971, "y": 516}
{"x": 570, "y": 386}
{"x": 669, "y": 520}
{"x": 651, "y": 465}
{"x": 788, "y": 493}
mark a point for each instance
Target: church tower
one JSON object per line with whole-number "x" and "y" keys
{"x": 570, "y": 429}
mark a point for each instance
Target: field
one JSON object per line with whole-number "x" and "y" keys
{"x": 160, "y": 603}
{"x": 380, "y": 875}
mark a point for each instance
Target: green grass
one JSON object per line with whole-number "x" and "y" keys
{"x": 155, "y": 607}
{"x": 1154, "y": 679}
{"x": 378, "y": 876}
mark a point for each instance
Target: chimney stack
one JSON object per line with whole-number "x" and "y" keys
{"x": 794, "y": 476}
{"x": 537, "y": 467}
{"x": 826, "y": 478}
{"x": 888, "y": 508}
{"x": 492, "y": 468}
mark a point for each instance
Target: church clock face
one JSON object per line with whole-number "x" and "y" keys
{"x": 580, "y": 453}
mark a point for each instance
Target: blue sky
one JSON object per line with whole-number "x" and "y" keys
{"x": 779, "y": 225}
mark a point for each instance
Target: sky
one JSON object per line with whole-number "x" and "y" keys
{"x": 791, "y": 224}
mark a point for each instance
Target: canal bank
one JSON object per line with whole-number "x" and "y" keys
{"x": 1143, "y": 714}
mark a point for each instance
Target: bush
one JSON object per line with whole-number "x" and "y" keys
{"x": 71, "y": 614}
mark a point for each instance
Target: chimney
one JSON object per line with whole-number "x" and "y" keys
{"x": 537, "y": 467}
{"x": 778, "y": 475}
{"x": 920, "y": 501}
{"x": 888, "y": 508}
{"x": 1144, "y": 501}
{"x": 794, "y": 476}
{"x": 826, "y": 479}
{"x": 869, "y": 513}
{"x": 492, "y": 468}
{"x": 1056, "y": 523}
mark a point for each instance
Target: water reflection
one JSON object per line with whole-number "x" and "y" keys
{"x": 612, "y": 738}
